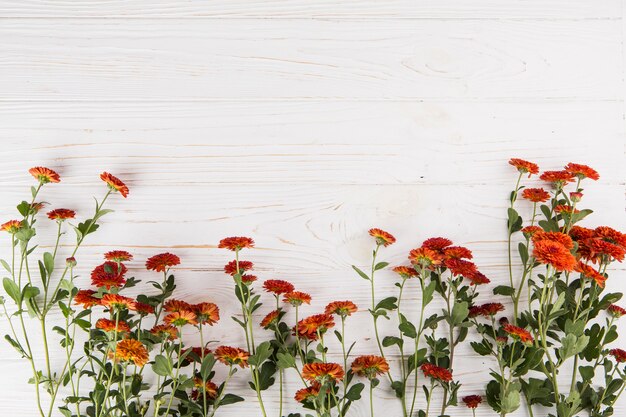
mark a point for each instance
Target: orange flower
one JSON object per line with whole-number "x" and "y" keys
{"x": 457, "y": 252}
{"x": 582, "y": 171}
{"x": 44, "y": 175}
{"x": 236, "y": 243}
{"x": 270, "y": 319}
{"x": 61, "y": 214}
{"x": 618, "y": 354}
{"x": 616, "y": 311}
{"x": 558, "y": 178}
{"x": 309, "y": 393}
{"x": 596, "y": 248}
{"x": 86, "y": 298}
{"x": 210, "y": 389}
{"x": 109, "y": 325}
{"x": 195, "y": 355}
{"x": 118, "y": 256}
{"x": 536, "y": 195}
{"x": 478, "y": 278}
{"x": 322, "y": 372}
{"x": 117, "y": 302}
{"x": 37, "y": 207}
{"x": 524, "y": 166}
{"x": 472, "y": 401}
{"x": 405, "y": 272}
{"x": 278, "y": 286}
{"x": 341, "y": 308}
{"x": 232, "y": 356}
{"x": 231, "y": 267}
{"x": 181, "y": 318}
{"x": 115, "y": 183}
{"x": 310, "y": 327}
{"x": 437, "y": 243}
{"x": 529, "y": 231}
{"x": 590, "y": 273}
{"x": 487, "y": 310}
{"x": 555, "y": 254}
{"x": 248, "y": 279}
{"x": 132, "y": 350}
{"x": 162, "y": 262}
{"x": 460, "y": 267}
{"x": 518, "y": 333}
{"x": 12, "y": 226}
{"x": 143, "y": 308}
{"x": 557, "y": 237}
{"x": 436, "y": 372}
{"x": 564, "y": 209}
{"x": 109, "y": 274}
{"x": 425, "y": 257}
{"x": 369, "y": 366}
{"x": 173, "y": 305}
{"x": 208, "y": 313}
{"x": 610, "y": 235}
{"x": 382, "y": 237}
{"x": 297, "y": 298}
{"x": 165, "y": 331}
{"x": 575, "y": 196}
{"x": 581, "y": 233}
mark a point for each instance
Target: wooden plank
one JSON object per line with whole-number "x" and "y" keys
{"x": 263, "y": 59}
{"x": 275, "y": 9}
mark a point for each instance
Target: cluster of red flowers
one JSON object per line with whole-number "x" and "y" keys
{"x": 486, "y": 310}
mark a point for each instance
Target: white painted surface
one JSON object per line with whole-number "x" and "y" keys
{"x": 303, "y": 124}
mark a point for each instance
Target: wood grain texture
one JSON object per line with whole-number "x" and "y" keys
{"x": 303, "y": 124}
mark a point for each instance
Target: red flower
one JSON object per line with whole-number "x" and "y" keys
{"x": 232, "y": 356}
{"x": 309, "y": 393}
{"x": 37, "y": 207}
{"x": 581, "y": 233}
{"x": 425, "y": 257}
{"x": 208, "y": 313}
{"x": 109, "y": 274}
{"x": 165, "y": 331}
{"x": 478, "y": 278}
{"x": 109, "y": 326}
{"x": 536, "y": 195}
{"x": 524, "y": 166}
{"x": 557, "y": 237}
{"x": 162, "y": 262}
{"x": 248, "y": 279}
{"x": 596, "y": 248}
{"x": 436, "y": 372}
{"x": 557, "y": 178}
{"x": 575, "y": 196}
{"x": 231, "y": 267}
{"x": 278, "y": 286}
{"x": 610, "y": 235}
{"x": 61, "y": 214}
{"x": 487, "y": 310}
{"x": 436, "y": 243}
{"x": 555, "y": 254}
{"x": 590, "y": 273}
{"x": 181, "y": 318}
{"x": 86, "y": 298}
{"x": 616, "y": 311}
{"x": 382, "y": 237}
{"x": 12, "y": 226}
{"x": 529, "y": 231}
{"x": 565, "y": 209}
{"x": 131, "y": 350}
{"x": 115, "y": 183}
{"x": 460, "y": 267}
{"x": 143, "y": 308}
{"x": 310, "y": 327}
{"x": 618, "y": 354}
{"x": 118, "y": 256}
{"x": 341, "y": 308}
{"x": 369, "y": 366}
{"x": 472, "y": 401}
{"x": 322, "y": 372}
{"x": 582, "y": 171}
{"x": 117, "y": 302}
{"x": 518, "y": 333}
{"x": 405, "y": 271}
{"x": 270, "y": 319}
{"x": 457, "y": 252}
{"x": 297, "y": 298}
{"x": 173, "y": 305}
{"x": 236, "y": 243}
{"x": 44, "y": 175}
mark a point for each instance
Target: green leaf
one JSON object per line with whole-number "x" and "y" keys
{"x": 48, "y": 261}
{"x": 572, "y": 345}
{"x": 429, "y": 290}
{"x": 510, "y": 402}
{"x": 285, "y": 360}
{"x": 263, "y": 352}
{"x": 361, "y": 273}
{"x": 354, "y": 393}
{"x": 523, "y": 252}
{"x": 207, "y": 366}
{"x": 408, "y": 329}
{"x": 388, "y": 303}
{"x": 266, "y": 379}
{"x": 5, "y": 265}
{"x": 162, "y": 366}
{"x": 504, "y": 290}
{"x": 380, "y": 265}
{"x": 230, "y": 399}
{"x": 392, "y": 340}
{"x": 514, "y": 222}
{"x": 12, "y": 290}
{"x": 459, "y": 313}
{"x": 586, "y": 372}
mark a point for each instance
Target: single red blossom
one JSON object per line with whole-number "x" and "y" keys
{"x": 436, "y": 372}
{"x": 457, "y": 252}
{"x": 12, "y": 226}
{"x": 436, "y": 243}
{"x": 297, "y": 298}
{"x": 232, "y": 356}
{"x": 322, "y": 372}
{"x": 579, "y": 233}
{"x": 590, "y": 273}
{"x": 70, "y": 262}
{"x": 44, "y": 175}
{"x": 491, "y": 309}
{"x": 524, "y": 167}
{"x": 472, "y": 401}
{"x": 597, "y": 248}
{"x": 236, "y": 243}
{"x": 582, "y": 171}
{"x": 86, "y": 298}
{"x": 248, "y": 279}
{"x": 181, "y": 318}
{"x": 144, "y": 309}
{"x": 425, "y": 257}
{"x": 173, "y": 305}
{"x": 308, "y": 394}
{"x": 115, "y": 183}
{"x": 61, "y": 214}
{"x": 110, "y": 326}
{"x": 405, "y": 272}
{"x": 618, "y": 354}
{"x": 616, "y": 311}
{"x": 130, "y": 350}
{"x": 341, "y": 308}
{"x": 554, "y": 254}
{"x": 557, "y": 237}
{"x": 477, "y": 278}
{"x": 536, "y": 195}
{"x": 382, "y": 237}
{"x": 608, "y": 234}
{"x": 311, "y": 327}
{"x": 502, "y": 340}
{"x": 278, "y": 286}
{"x": 460, "y": 267}
{"x": 565, "y": 209}
{"x": 271, "y": 319}
{"x": 109, "y": 274}
{"x": 231, "y": 267}
{"x": 576, "y": 196}
{"x": 529, "y": 231}
{"x": 162, "y": 262}
{"x": 369, "y": 366}
{"x": 558, "y": 179}
{"x": 118, "y": 256}
{"x": 165, "y": 331}
{"x": 118, "y": 302}
{"x": 207, "y": 313}
{"x": 518, "y": 333}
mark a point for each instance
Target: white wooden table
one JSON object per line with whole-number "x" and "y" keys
{"x": 302, "y": 124}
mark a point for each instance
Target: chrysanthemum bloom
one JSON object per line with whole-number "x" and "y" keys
{"x": 308, "y": 394}
{"x": 425, "y": 257}
{"x": 478, "y": 278}
{"x": 436, "y": 372}
{"x": 596, "y": 249}
{"x": 490, "y": 309}
{"x": 12, "y": 226}
{"x": 131, "y": 350}
{"x": 341, "y": 308}
{"x": 236, "y": 243}
{"x": 590, "y": 273}
{"x": 529, "y": 231}
{"x": 382, "y": 237}
{"x": 181, "y": 318}
{"x": 248, "y": 279}
{"x": 536, "y": 195}
{"x": 557, "y": 237}
{"x": 616, "y": 311}
{"x": 44, "y": 175}
{"x": 555, "y": 254}
{"x": 165, "y": 331}
{"x": 114, "y": 183}
{"x": 582, "y": 171}
{"x": 231, "y": 267}
{"x": 109, "y": 326}
{"x": 208, "y": 313}
{"x": 271, "y": 319}
{"x": 475, "y": 311}
{"x": 579, "y": 233}
{"x": 61, "y": 214}
{"x": 70, "y": 262}
{"x": 502, "y": 340}
{"x": 558, "y": 179}
{"x": 278, "y": 286}
{"x": 117, "y": 302}
{"x": 608, "y": 234}
{"x": 575, "y": 196}
{"x": 143, "y": 308}
{"x": 297, "y": 298}
{"x": 37, "y": 207}
{"x": 472, "y": 401}
{"x": 405, "y": 272}
{"x": 524, "y": 167}
{"x": 162, "y": 262}
{"x": 618, "y": 354}
{"x": 209, "y": 390}
{"x": 310, "y": 327}
{"x": 232, "y": 356}
{"x": 518, "y": 333}
{"x": 369, "y": 366}
{"x": 457, "y": 252}
{"x": 565, "y": 209}
{"x": 86, "y": 298}
{"x": 460, "y": 267}
{"x": 322, "y": 372}
{"x": 109, "y": 274}
{"x": 437, "y": 243}
{"x": 174, "y": 305}
{"x": 118, "y": 256}
{"x": 194, "y": 354}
